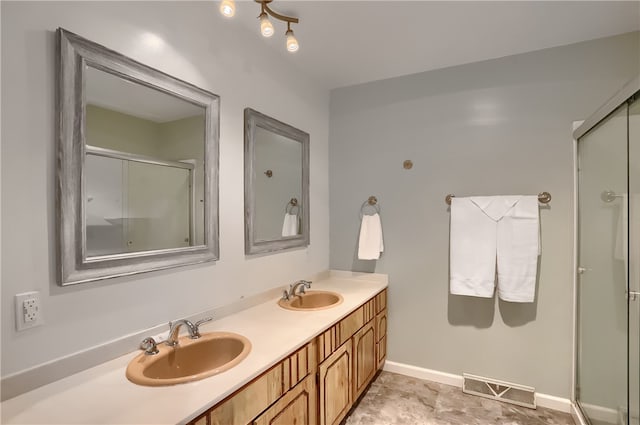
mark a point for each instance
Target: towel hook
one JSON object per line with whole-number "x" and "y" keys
{"x": 372, "y": 201}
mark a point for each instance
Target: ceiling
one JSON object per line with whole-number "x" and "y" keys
{"x": 344, "y": 43}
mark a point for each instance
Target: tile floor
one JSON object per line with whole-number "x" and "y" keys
{"x": 394, "y": 399}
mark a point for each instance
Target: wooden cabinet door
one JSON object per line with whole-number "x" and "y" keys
{"x": 296, "y": 407}
{"x": 381, "y": 352}
{"x": 381, "y": 337}
{"x": 364, "y": 358}
{"x": 381, "y": 325}
{"x": 334, "y": 385}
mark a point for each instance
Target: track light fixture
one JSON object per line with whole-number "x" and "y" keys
{"x": 228, "y": 8}
{"x": 266, "y": 27}
{"x": 292, "y": 41}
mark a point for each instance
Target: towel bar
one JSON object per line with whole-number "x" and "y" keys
{"x": 543, "y": 198}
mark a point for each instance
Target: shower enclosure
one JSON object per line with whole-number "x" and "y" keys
{"x": 608, "y": 276}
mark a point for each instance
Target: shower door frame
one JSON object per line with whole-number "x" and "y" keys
{"x": 580, "y": 128}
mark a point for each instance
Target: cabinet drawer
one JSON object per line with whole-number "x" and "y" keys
{"x": 247, "y": 403}
{"x": 349, "y": 325}
{"x": 253, "y": 398}
{"x": 334, "y": 337}
{"x": 381, "y": 301}
{"x": 356, "y": 320}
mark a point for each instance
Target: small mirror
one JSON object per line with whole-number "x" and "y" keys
{"x": 138, "y": 166}
{"x": 276, "y": 184}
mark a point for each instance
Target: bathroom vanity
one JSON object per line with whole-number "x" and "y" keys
{"x": 318, "y": 383}
{"x": 304, "y": 367}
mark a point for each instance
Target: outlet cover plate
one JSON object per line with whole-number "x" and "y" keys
{"x": 28, "y": 310}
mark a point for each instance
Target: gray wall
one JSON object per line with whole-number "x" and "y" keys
{"x": 189, "y": 40}
{"x": 496, "y": 127}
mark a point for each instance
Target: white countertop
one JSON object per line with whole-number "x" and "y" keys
{"x": 103, "y": 395}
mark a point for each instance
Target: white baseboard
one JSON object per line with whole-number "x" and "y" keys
{"x": 421, "y": 373}
{"x": 554, "y": 403}
{"x": 543, "y": 400}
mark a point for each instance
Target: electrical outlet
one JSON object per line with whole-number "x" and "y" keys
{"x": 28, "y": 311}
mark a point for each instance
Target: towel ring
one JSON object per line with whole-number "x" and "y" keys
{"x": 371, "y": 202}
{"x": 293, "y": 203}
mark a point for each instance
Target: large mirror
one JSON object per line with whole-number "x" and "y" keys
{"x": 137, "y": 169}
{"x": 276, "y": 184}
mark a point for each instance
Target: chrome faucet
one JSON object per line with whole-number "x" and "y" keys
{"x": 292, "y": 289}
{"x": 194, "y": 331}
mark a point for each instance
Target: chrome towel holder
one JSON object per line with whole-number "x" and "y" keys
{"x": 372, "y": 201}
{"x": 293, "y": 203}
{"x": 543, "y": 198}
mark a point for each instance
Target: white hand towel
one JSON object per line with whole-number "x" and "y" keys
{"x": 518, "y": 250}
{"x": 290, "y": 225}
{"x": 370, "y": 243}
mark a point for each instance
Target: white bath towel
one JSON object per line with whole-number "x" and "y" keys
{"x": 484, "y": 227}
{"x": 290, "y": 225}
{"x": 518, "y": 250}
{"x": 370, "y": 243}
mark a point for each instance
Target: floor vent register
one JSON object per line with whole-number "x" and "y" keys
{"x": 499, "y": 390}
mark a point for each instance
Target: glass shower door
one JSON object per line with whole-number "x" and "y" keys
{"x": 634, "y": 262}
{"x": 602, "y": 369}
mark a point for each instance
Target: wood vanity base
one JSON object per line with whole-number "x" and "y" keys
{"x": 318, "y": 383}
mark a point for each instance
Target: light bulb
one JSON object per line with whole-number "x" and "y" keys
{"x": 266, "y": 27}
{"x": 292, "y": 42}
{"x": 228, "y": 8}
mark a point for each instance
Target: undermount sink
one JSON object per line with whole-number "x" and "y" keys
{"x": 190, "y": 360}
{"x": 312, "y": 300}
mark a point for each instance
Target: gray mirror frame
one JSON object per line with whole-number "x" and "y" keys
{"x": 74, "y": 52}
{"x": 253, "y": 118}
